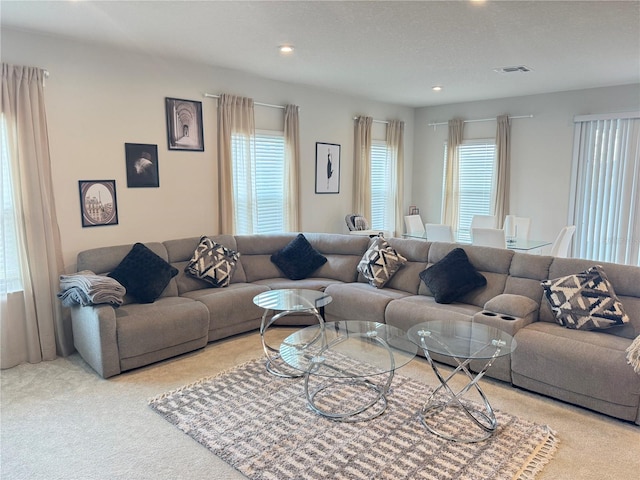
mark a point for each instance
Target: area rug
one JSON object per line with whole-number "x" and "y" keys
{"x": 261, "y": 425}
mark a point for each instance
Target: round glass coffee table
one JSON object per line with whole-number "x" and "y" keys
{"x": 348, "y": 366}
{"x": 463, "y": 342}
{"x": 287, "y": 301}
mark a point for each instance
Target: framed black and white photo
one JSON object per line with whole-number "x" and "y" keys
{"x": 98, "y": 205}
{"x": 184, "y": 124}
{"x": 327, "y": 168}
{"x": 142, "y": 165}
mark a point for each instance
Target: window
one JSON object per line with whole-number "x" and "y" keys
{"x": 381, "y": 191}
{"x": 476, "y": 185}
{"x": 259, "y": 190}
{"x": 606, "y": 188}
{"x": 10, "y": 278}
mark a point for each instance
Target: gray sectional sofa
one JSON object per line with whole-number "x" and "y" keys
{"x": 586, "y": 368}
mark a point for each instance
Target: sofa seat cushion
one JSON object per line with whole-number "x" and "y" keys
{"x": 408, "y": 311}
{"x": 586, "y": 363}
{"x": 168, "y": 322}
{"x": 359, "y": 301}
{"x": 313, "y": 283}
{"x": 230, "y": 305}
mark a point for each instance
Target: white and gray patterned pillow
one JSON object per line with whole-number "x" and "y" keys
{"x": 212, "y": 262}
{"x": 380, "y": 262}
{"x": 585, "y": 301}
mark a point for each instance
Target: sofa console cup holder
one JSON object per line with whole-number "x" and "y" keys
{"x": 503, "y": 317}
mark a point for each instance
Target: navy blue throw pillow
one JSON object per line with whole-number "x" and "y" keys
{"x": 144, "y": 274}
{"x": 452, "y": 277}
{"x": 298, "y": 259}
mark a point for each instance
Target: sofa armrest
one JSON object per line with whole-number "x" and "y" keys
{"x": 508, "y": 312}
{"x": 94, "y": 336}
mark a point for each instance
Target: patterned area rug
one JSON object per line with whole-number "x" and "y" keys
{"x": 261, "y": 425}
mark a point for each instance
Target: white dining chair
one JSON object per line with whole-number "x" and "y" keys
{"x": 413, "y": 225}
{"x": 560, "y": 247}
{"x": 484, "y": 221}
{"x": 438, "y": 232}
{"x": 488, "y": 237}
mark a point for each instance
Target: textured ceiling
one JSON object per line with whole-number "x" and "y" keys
{"x": 392, "y": 51}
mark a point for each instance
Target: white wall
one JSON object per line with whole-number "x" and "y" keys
{"x": 541, "y": 149}
{"x": 100, "y": 98}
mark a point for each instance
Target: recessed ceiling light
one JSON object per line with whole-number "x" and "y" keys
{"x": 436, "y": 88}
{"x": 286, "y": 49}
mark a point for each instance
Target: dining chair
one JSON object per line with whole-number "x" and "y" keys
{"x": 560, "y": 247}
{"x": 414, "y": 225}
{"x": 484, "y": 221}
{"x": 438, "y": 232}
{"x": 488, "y": 237}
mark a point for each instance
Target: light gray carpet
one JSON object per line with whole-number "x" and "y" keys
{"x": 59, "y": 420}
{"x": 261, "y": 425}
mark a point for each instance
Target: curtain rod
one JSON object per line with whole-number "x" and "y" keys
{"x": 282, "y": 107}
{"x": 434, "y": 125}
{"x": 374, "y": 120}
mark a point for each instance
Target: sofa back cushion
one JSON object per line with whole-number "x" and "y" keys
{"x": 492, "y": 263}
{"x": 416, "y": 252}
{"x": 625, "y": 280}
{"x": 526, "y": 273}
{"x": 342, "y": 252}
{"x": 105, "y": 259}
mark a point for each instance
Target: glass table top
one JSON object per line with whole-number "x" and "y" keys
{"x": 348, "y": 349}
{"x": 292, "y": 299}
{"x": 462, "y": 339}
{"x": 517, "y": 244}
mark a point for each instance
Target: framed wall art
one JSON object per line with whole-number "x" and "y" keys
{"x": 98, "y": 205}
{"x": 327, "y": 168}
{"x": 142, "y": 165}
{"x": 184, "y": 124}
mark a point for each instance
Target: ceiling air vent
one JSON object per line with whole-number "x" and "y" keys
{"x": 516, "y": 69}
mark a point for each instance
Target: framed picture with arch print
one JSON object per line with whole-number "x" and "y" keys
{"x": 184, "y": 124}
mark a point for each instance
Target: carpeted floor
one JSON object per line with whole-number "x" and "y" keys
{"x": 59, "y": 420}
{"x": 260, "y": 424}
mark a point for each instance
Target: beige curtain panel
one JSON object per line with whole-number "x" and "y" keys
{"x": 395, "y": 149}
{"x": 33, "y": 326}
{"x": 292, "y": 168}
{"x": 450, "y": 203}
{"x": 503, "y": 168}
{"x": 362, "y": 167}
{"x": 235, "y": 117}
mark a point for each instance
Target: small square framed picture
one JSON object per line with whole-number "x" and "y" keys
{"x": 184, "y": 124}
{"x": 98, "y": 204}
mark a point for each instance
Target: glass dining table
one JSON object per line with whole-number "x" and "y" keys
{"x": 519, "y": 244}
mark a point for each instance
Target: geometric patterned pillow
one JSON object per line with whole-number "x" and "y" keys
{"x": 380, "y": 262}
{"x": 585, "y": 301}
{"x": 213, "y": 263}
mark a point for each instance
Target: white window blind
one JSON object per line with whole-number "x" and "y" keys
{"x": 380, "y": 188}
{"x": 606, "y": 189}
{"x": 10, "y": 278}
{"x": 258, "y": 180}
{"x": 476, "y": 172}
